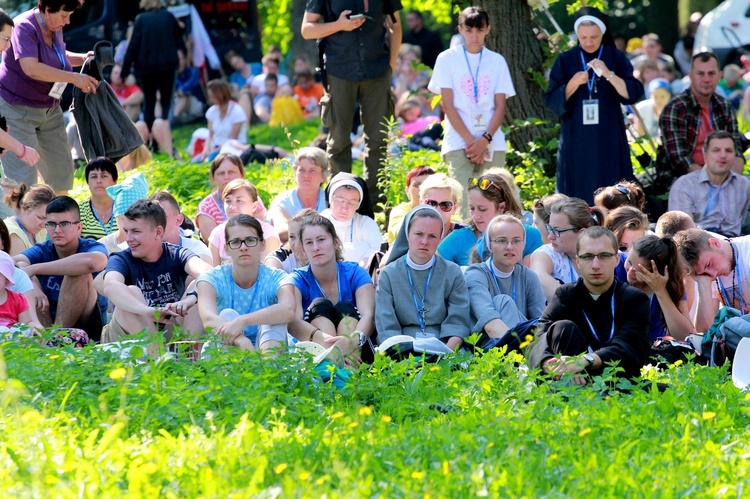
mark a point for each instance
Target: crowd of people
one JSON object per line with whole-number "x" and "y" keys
{"x": 584, "y": 272}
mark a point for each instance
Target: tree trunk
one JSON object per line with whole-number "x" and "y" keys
{"x": 300, "y": 46}
{"x": 512, "y": 36}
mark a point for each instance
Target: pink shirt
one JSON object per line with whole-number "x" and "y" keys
{"x": 211, "y": 208}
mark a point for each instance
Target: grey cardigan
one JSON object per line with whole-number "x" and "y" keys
{"x": 530, "y": 298}
{"x": 447, "y": 301}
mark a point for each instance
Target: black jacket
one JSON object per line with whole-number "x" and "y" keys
{"x": 153, "y": 47}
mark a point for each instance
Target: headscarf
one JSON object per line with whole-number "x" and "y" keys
{"x": 658, "y": 83}
{"x": 365, "y": 205}
{"x": 401, "y": 244}
{"x": 484, "y": 250}
{"x": 339, "y": 181}
{"x": 586, "y": 14}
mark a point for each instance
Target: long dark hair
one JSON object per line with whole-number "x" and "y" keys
{"x": 663, "y": 251}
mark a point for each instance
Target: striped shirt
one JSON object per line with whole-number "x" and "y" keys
{"x": 93, "y": 227}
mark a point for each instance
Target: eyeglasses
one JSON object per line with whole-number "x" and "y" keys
{"x": 556, "y": 232}
{"x": 51, "y": 226}
{"x": 589, "y": 257}
{"x": 623, "y": 190}
{"x": 3, "y": 37}
{"x": 504, "y": 242}
{"x": 445, "y": 206}
{"x": 249, "y": 241}
{"x": 483, "y": 184}
{"x": 346, "y": 202}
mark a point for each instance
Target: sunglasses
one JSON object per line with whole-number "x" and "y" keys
{"x": 249, "y": 241}
{"x": 623, "y": 190}
{"x": 446, "y": 206}
{"x": 483, "y": 184}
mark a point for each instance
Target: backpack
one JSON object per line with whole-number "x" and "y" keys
{"x": 720, "y": 341}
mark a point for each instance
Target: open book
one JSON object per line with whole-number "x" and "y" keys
{"x": 401, "y": 342}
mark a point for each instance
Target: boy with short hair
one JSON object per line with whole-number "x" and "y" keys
{"x": 474, "y": 83}
{"x": 146, "y": 282}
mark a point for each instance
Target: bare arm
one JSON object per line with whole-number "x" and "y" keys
{"x": 280, "y": 219}
{"x": 365, "y": 298}
{"x": 195, "y": 267}
{"x": 206, "y": 225}
{"x": 542, "y": 265}
{"x": 73, "y": 265}
{"x": 42, "y": 72}
{"x": 117, "y": 291}
{"x": 708, "y": 305}
{"x": 452, "y": 114}
{"x": 312, "y": 28}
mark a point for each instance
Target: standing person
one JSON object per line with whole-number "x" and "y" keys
{"x": 715, "y": 197}
{"x": 362, "y": 74}
{"x": 595, "y": 320}
{"x": 429, "y": 41}
{"x": 26, "y": 228}
{"x": 690, "y": 117}
{"x": 587, "y": 86}
{"x": 35, "y": 70}
{"x": 153, "y": 51}
{"x": 474, "y": 83}
{"x": 64, "y": 269}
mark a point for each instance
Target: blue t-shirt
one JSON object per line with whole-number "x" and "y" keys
{"x": 260, "y": 295}
{"x": 351, "y": 278}
{"x": 289, "y": 200}
{"x": 457, "y": 246}
{"x": 162, "y": 281}
{"x": 44, "y": 253}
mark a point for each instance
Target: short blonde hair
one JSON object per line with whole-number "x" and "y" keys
{"x": 442, "y": 181}
{"x": 314, "y": 154}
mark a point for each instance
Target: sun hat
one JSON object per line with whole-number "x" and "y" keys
{"x": 321, "y": 353}
{"x": 7, "y": 268}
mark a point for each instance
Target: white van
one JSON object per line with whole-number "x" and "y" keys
{"x": 725, "y": 31}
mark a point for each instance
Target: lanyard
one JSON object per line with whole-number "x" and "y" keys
{"x": 590, "y": 81}
{"x": 497, "y": 285}
{"x": 60, "y": 54}
{"x": 351, "y": 231}
{"x": 96, "y": 216}
{"x": 611, "y": 331}
{"x": 573, "y": 277}
{"x": 738, "y": 275}
{"x": 475, "y": 75}
{"x": 338, "y": 283}
{"x": 712, "y": 200}
{"x": 31, "y": 238}
{"x": 421, "y": 310}
{"x": 221, "y": 205}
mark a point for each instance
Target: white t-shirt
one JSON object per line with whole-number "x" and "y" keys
{"x": 222, "y": 128}
{"x": 451, "y": 71}
{"x": 740, "y": 276}
{"x": 562, "y": 267}
{"x": 259, "y": 81}
{"x": 360, "y": 235}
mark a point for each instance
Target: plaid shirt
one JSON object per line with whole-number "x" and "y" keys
{"x": 719, "y": 209}
{"x": 679, "y": 124}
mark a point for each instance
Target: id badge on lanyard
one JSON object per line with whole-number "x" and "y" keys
{"x": 591, "y": 112}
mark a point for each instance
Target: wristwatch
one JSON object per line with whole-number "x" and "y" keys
{"x": 588, "y": 358}
{"x": 362, "y": 338}
{"x": 192, "y": 293}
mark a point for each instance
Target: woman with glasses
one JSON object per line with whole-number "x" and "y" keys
{"x": 420, "y": 294}
{"x": 335, "y": 299}
{"x": 310, "y": 173}
{"x": 443, "y": 193}
{"x": 489, "y": 196}
{"x": 36, "y": 69}
{"x": 653, "y": 266}
{"x": 240, "y": 197}
{"x": 26, "y": 227}
{"x": 246, "y": 303}
{"x": 503, "y": 292}
{"x": 359, "y": 234}
{"x": 542, "y": 208}
{"x": 554, "y": 262}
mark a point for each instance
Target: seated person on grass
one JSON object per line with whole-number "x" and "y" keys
{"x": 146, "y": 282}
{"x": 594, "y": 320}
{"x": 63, "y": 270}
{"x": 174, "y": 221}
{"x": 14, "y": 308}
{"x": 245, "y": 302}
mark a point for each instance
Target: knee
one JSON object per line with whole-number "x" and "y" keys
{"x": 136, "y": 292}
{"x": 322, "y": 307}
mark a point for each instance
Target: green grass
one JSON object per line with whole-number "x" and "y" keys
{"x": 80, "y": 423}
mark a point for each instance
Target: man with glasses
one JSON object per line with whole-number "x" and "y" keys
{"x": 595, "y": 321}
{"x": 63, "y": 270}
{"x": 147, "y": 281}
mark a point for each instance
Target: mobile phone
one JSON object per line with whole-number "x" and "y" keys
{"x": 356, "y": 16}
